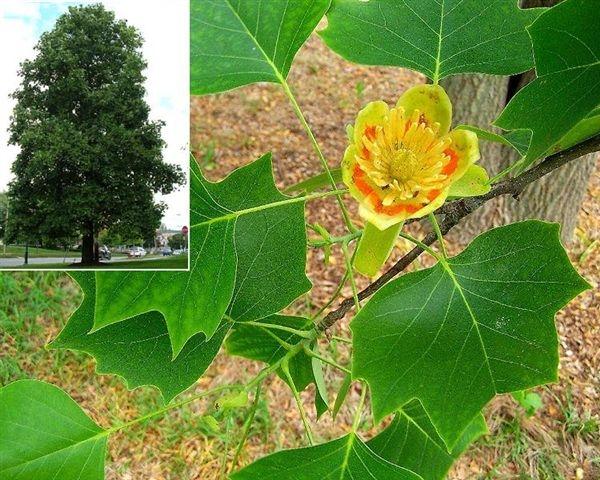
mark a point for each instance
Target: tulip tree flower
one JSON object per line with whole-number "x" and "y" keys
{"x": 401, "y": 164}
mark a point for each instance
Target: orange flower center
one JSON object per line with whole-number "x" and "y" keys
{"x": 407, "y": 158}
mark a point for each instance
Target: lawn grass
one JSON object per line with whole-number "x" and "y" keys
{"x": 13, "y": 251}
{"x": 174, "y": 262}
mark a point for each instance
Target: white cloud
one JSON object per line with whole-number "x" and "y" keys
{"x": 164, "y": 26}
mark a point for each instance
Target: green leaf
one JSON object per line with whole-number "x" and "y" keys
{"x": 346, "y": 458}
{"x": 458, "y": 333}
{"x": 412, "y": 442}
{"x": 587, "y": 128}
{"x": 474, "y": 182}
{"x": 567, "y": 88}
{"x": 239, "y": 42}
{"x": 232, "y": 401}
{"x": 265, "y": 345}
{"x": 342, "y": 394}
{"x": 519, "y": 139}
{"x": 44, "y": 435}
{"x": 435, "y": 37}
{"x": 530, "y": 401}
{"x": 317, "y": 370}
{"x": 248, "y": 258}
{"x": 138, "y": 349}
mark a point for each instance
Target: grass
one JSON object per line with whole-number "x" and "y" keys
{"x": 174, "y": 262}
{"x": 13, "y": 251}
{"x": 25, "y": 298}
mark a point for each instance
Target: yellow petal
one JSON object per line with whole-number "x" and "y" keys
{"x": 373, "y": 115}
{"x": 465, "y": 149}
{"x": 436, "y": 203}
{"x": 432, "y": 102}
{"x": 382, "y": 222}
{"x": 358, "y": 182}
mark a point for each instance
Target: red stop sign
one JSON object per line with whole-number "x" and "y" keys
{"x": 185, "y": 230}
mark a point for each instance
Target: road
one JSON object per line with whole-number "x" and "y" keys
{"x": 19, "y": 261}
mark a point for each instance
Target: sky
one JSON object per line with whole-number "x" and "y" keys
{"x": 164, "y": 27}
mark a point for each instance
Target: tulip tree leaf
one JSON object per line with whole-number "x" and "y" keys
{"x": 44, "y": 435}
{"x": 138, "y": 349}
{"x": 481, "y": 325}
{"x": 239, "y": 42}
{"x": 517, "y": 139}
{"x": 248, "y": 258}
{"x": 255, "y": 343}
{"x": 435, "y": 37}
{"x": 346, "y": 458}
{"x": 412, "y": 442}
{"x": 567, "y": 88}
{"x": 586, "y": 128}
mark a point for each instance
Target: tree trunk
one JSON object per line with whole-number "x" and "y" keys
{"x": 557, "y": 197}
{"x": 478, "y": 100}
{"x": 87, "y": 247}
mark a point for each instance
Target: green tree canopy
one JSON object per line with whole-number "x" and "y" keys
{"x": 90, "y": 156}
{"x": 177, "y": 241}
{"x": 3, "y": 212}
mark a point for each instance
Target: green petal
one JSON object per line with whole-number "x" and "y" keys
{"x": 375, "y": 247}
{"x": 474, "y": 182}
{"x": 432, "y": 101}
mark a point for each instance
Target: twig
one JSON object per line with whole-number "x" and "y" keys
{"x": 454, "y": 212}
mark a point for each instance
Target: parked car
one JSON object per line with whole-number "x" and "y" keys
{"x": 167, "y": 251}
{"x": 104, "y": 253}
{"x": 137, "y": 252}
{"x": 177, "y": 251}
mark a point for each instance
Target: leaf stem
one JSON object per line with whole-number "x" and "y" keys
{"x": 309, "y": 334}
{"x": 272, "y": 368}
{"x": 438, "y": 232}
{"x": 258, "y": 208}
{"x": 247, "y": 426}
{"x": 335, "y": 295}
{"x": 325, "y": 360}
{"x": 505, "y": 172}
{"x": 420, "y": 244}
{"x": 223, "y": 469}
{"x": 342, "y": 339}
{"x": 359, "y": 408}
{"x": 348, "y": 260}
{"x": 317, "y": 148}
{"x": 334, "y": 240}
{"x": 303, "y": 415}
{"x": 171, "y": 406}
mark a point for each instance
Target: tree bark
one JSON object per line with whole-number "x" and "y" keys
{"x": 478, "y": 100}
{"x": 556, "y": 197}
{"x": 87, "y": 247}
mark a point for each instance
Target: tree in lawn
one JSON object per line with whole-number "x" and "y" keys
{"x": 90, "y": 157}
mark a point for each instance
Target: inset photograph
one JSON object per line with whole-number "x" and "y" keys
{"x": 94, "y": 156}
